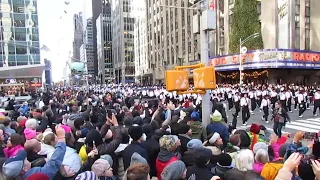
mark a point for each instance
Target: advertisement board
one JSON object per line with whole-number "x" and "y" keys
{"x": 263, "y": 59}
{"x": 283, "y": 23}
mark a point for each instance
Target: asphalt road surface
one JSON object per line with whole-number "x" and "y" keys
{"x": 308, "y": 123}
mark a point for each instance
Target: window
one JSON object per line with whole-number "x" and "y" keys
{"x": 297, "y": 38}
{"x": 307, "y": 11}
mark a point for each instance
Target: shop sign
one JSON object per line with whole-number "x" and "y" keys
{"x": 269, "y": 59}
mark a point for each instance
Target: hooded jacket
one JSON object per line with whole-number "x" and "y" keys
{"x": 165, "y": 157}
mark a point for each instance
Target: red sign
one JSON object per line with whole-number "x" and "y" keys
{"x": 36, "y": 85}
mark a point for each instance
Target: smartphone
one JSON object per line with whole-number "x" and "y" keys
{"x": 306, "y": 159}
{"x": 94, "y": 144}
{"x": 310, "y": 135}
{"x": 109, "y": 113}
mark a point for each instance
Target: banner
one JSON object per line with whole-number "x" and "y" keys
{"x": 283, "y": 24}
{"x": 263, "y": 59}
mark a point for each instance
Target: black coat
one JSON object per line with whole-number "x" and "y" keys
{"x": 200, "y": 173}
{"x": 132, "y": 148}
{"x": 184, "y": 139}
{"x": 153, "y": 148}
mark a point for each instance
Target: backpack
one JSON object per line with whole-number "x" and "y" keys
{"x": 270, "y": 170}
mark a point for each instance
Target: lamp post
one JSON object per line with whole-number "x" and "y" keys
{"x": 242, "y": 48}
{"x": 203, "y": 12}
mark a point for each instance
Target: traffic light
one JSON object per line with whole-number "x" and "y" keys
{"x": 204, "y": 78}
{"x": 177, "y": 80}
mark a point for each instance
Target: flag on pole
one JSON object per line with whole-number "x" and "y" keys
{"x": 44, "y": 47}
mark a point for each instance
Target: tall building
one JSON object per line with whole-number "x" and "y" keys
{"x": 19, "y": 40}
{"x": 291, "y": 38}
{"x": 78, "y": 35}
{"x": 285, "y": 24}
{"x": 170, "y": 37}
{"x": 123, "y": 40}
{"x": 89, "y": 50}
{"x": 142, "y": 66}
{"x": 104, "y": 44}
{"x": 96, "y": 11}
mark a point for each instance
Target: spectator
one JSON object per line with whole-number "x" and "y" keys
{"x": 19, "y": 165}
{"x": 135, "y": 133}
{"x": 138, "y": 171}
{"x": 14, "y": 145}
{"x": 261, "y": 158}
{"x": 198, "y": 131}
{"x": 167, "y": 154}
{"x": 217, "y": 125}
{"x": 244, "y": 167}
{"x": 223, "y": 165}
{"x": 201, "y": 169}
{"x": 174, "y": 171}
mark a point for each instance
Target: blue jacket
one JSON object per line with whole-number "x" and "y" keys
{"x": 53, "y": 165}
{"x": 220, "y": 128}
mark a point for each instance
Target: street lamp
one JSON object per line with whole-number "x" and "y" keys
{"x": 244, "y": 49}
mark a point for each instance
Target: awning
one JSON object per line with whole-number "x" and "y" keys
{"x": 26, "y": 71}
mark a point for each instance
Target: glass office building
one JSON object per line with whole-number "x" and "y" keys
{"x": 19, "y": 35}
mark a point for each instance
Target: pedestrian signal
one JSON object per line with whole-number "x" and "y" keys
{"x": 177, "y": 80}
{"x": 204, "y": 78}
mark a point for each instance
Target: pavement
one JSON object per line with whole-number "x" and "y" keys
{"x": 308, "y": 123}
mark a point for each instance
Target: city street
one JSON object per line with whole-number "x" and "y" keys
{"x": 308, "y": 123}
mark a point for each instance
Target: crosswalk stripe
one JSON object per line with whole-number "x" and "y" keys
{"x": 307, "y": 125}
{"x": 299, "y": 128}
{"x": 316, "y": 120}
{"x": 309, "y": 122}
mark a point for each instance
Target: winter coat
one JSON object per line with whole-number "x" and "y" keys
{"x": 220, "y": 171}
{"x": 153, "y": 148}
{"x": 132, "y": 148}
{"x": 198, "y": 131}
{"x": 199, "y": 173}
{"x": 164, "y": 158}
{"x": 13, "y": 151}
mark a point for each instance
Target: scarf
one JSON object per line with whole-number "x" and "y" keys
{"x": 254, "y": 140}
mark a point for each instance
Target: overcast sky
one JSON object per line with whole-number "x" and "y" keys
{"x": 56, "y": 30}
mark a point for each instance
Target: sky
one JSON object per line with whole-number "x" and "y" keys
{"x": 56, "y": 31}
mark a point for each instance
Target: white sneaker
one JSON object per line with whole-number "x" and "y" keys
{"x": 237, "y": 116}
{"x": 315, "y": 115}
{"x": 252, "y": 113}
{"x": 262, "y": 119}
{"x": 244, "y": 124}
{"x": 260, "y": 110}
{"x": 308, "y": 108}
{"x": 267, "y": 122}
{"x": 230, "y": 109}
{"x": 295, "y": 109}
{"x": 301, "y": 116}
{"x": 290, "y": 111}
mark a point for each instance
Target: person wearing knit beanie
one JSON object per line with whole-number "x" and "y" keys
{"x": 87, "y": 175}
{"x": 259, "y": 145}
{"x": 255, "y": 128}
{"x": 38, "y": 176}
{"x": 137, "y": 158}
{"x": 174, "y": 171}
{"x": 194, "y": 144}
{"x": 29, "y": 133}
{"x": 135, "y": 132}
{"x": 169, "y": 142}
{"x": 101, "y": 167}
{"x": 216, "y": 116}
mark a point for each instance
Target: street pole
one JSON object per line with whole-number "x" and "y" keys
{"x": 240, "y": 62}
{"x": 206, "y": 106}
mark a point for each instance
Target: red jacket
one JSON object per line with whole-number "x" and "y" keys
{"x": 161, "y": 165}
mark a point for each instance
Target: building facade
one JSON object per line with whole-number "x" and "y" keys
{"x": 142, "y": 66}
{"x": 285, "y": 24}
{"x": 104, "y": 44}
{"x": 89, "y": 50}
{"x": 291, "y": 37}
{"x": 77, "y": 36}
{"x": 96, "y": 11}
{"x": 123, "y": 40}
{"x": 19, "y": 35}
{"x": 170, "y": 37}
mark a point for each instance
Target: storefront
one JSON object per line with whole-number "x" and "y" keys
{"x": 270, "y": 66}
